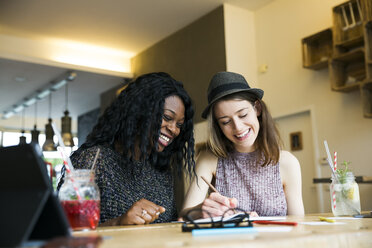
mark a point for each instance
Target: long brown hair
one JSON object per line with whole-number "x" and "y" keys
{"x": 268, "y": 139}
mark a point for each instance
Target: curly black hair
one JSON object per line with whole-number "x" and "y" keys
{"x": 135, "y": 117}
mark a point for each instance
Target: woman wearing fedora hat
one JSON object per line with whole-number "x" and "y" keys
{"x": 244, "y": 157}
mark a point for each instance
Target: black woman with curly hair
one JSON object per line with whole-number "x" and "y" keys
{"x": 145, "y": 134}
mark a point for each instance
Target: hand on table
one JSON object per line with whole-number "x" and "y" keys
{"x": 141, "y": 212}
{"x": 217, "y": 204}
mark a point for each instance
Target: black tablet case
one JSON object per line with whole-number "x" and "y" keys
{"x": 29, "y": 209}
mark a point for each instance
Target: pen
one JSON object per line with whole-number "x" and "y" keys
{"x": 209, "y": 184}
{"x": 275, "y": 222}
{"x": 326, "y": 219}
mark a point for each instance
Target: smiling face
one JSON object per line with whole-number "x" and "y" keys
{"x": 173, "y": 119}
{"x": 239, "y": 123}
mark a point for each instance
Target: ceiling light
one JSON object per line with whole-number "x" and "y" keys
{"x": 49, "y": 133}
{"x": 29, "y": 102}
{"x": 7, "y": 114}
{"x": 43, "y": 94}
{"x": 59, "y": 84}
{"x": 66, "y": 125}
{"x": 18, "y": 108}
{"x": 62, "y": 80}
{"x": 72, "y": 76}
{"x": 35, "y": 133}
{"x": 40, "y": 94}
{"x": 20, "y": 79}
{"x": 22, "y": 138}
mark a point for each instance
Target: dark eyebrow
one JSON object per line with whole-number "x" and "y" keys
{"x": 174, "y": 113}
{"x": 240, "y": 110}
{"x": 170, "y": 111}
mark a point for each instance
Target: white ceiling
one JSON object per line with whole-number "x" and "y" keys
{"x": 129, "y": 25}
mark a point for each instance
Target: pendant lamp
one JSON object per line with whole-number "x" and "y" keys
{"x": 22, "y": 138}
{"x": 66, "y": 124}
{"x": 49, "y": 133}
{"x": 35, "y": 133}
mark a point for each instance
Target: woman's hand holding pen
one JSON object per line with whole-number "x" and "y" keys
{"x": 217, "y": 204}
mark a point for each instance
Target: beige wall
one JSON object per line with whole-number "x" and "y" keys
{"x": 240, "y": 42}
{"x": 280, "y": 26}
{"x": 191, "y": 55}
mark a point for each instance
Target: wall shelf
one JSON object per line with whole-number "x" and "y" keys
{"x": 348, "y": 71}
{"x": 347, "y": 50}
{"x": 366, "y": 93}
{"x": 317, "y": 50}
{"x": 368, "y": 47}
{"x": 347, "y": 25}
{"x": 366, "y": 6}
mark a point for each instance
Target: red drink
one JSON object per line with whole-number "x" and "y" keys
{"x": 82, "y": 214}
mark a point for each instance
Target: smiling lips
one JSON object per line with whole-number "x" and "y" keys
{"x": 243, "y": 135}
{"x": 164, "y": 140}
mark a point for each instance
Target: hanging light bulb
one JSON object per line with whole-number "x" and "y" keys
{"x": 22, "y": 138}
{"x": 66, "y": 124}
{"x": 49, "y": 133}
{"x": 35, "y": 133}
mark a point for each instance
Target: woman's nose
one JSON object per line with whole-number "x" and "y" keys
{"x": 172, "y": 127}
{"x": 237, "y": 125}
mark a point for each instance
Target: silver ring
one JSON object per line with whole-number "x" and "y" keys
{"x": 144, "y": 212}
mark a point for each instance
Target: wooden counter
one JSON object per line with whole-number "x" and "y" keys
{"x": 354, "y": 233}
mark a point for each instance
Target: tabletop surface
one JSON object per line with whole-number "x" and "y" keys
{"x": 310, "y": 232}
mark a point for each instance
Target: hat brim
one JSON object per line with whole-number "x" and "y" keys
{"x": 256, "y": 92}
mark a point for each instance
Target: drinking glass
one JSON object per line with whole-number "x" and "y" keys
{"x": 79, "y": 196}
{"x": 345, "y": 195}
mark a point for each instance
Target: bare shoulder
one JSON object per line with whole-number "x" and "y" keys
{"x": 207, "y": 155}
{"x": 287, "y": 160}
{"x": 206, "y": 162}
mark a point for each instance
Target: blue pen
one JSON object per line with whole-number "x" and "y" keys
{"x": 218, "y": 231}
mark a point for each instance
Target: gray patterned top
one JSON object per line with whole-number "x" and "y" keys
{"x": 257, "y": 188}
{"x": 123, "y": 184}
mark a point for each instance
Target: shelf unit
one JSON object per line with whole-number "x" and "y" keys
{"x": 366, "y": 93}
{"x": 366, "y": 87}
{"x": 347, "y": 50}
{"x": 317, "y": 50}
{"x": 347, "y": 26}
{"x": 366, "y": 6}
{"x": 368, "y": 47}
{"x": 348, "y": 71}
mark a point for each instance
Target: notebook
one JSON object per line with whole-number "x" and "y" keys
{"x": 238, "y": 216}
{"x": 29, "y": 209}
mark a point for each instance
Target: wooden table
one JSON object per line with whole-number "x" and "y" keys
{"x": 354, "y": 233}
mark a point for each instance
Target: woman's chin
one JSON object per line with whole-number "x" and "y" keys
{"x": 161, "y": 147}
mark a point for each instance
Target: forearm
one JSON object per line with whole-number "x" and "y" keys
{"x": 112, "y": 222}
{"x": 296, "y": 208}
{"x": 193, "y": 212}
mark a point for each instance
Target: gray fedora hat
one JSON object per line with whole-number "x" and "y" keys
{"x": 225, "y": 83}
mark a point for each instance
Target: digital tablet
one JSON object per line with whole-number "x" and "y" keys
{"x": 29, "y": 209}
